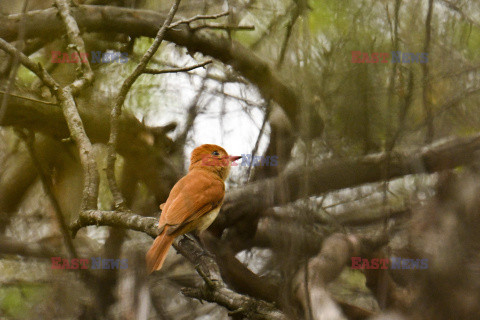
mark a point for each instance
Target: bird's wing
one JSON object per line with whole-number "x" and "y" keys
{"x": 176, "y": 190}
{"x": 196, "y": 195}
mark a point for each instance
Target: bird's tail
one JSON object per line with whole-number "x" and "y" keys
{"x": 158, "y": 251}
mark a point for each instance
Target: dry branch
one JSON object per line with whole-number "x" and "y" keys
{"x": 179, "y": 69}
{"x": 198, "y": 17}
{"x": 119, "y": 219}
{"x": 214, "y": 289}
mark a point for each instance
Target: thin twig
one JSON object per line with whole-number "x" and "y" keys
{"x": 179, "y": 69}
{"x": 274, "y": 23}
{"x": 198, "y": 17}
{"x": 235, "y": 97}
{"x": 257, "y": 143}
{"x": 119, "y": 202}
{"x": 227, "y": 77}
{"x": 191, "y": 114}
{"x": 222, "y": 27}
{"x": 28, "y": 98}
{"x": 295, "y": 13}
{"x": 77, "y": 44}
{"x": 458, "y": 10}
{"x": 119, "y": 219}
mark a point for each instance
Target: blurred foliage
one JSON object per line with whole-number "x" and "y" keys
{"x": 18, "y": 301}
{"x": 355, "y": 97}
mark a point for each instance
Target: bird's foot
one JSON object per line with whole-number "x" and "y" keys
{"x": 193, "y": 238}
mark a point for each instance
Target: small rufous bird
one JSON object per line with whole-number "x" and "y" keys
{"x": 194, "y": 201}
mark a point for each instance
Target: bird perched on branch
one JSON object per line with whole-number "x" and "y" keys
{"x": 194, "y": 201}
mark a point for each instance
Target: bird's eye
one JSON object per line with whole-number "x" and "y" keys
{"x": 215, "y": 153}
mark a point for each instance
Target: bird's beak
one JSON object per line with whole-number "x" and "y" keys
{"x": 234, "y": 158}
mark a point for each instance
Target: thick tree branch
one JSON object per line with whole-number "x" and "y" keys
{"x": 336, "y": 174}
{"x": 119, "y": 219}
{"x": 145, "y": 23}
{"x": 310, "y": 282}
{"x": 85, "y": 150}
{"x": 11, "y": 246}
